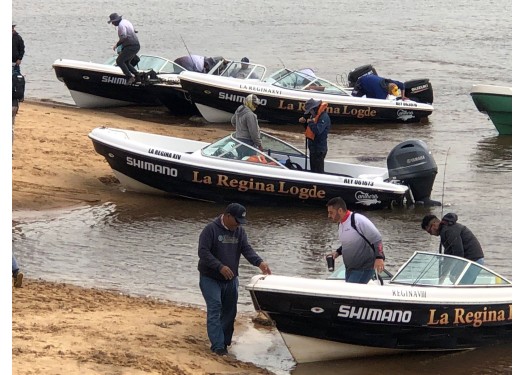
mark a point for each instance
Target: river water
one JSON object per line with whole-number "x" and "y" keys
{"x": 145, "y": 245}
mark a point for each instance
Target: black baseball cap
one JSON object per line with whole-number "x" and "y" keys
{"x": 238, "y": 211}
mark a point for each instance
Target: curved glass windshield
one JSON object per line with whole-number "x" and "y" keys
{"x": 155, "y": 63}
{"x": 305, "y": 80}
{"x": 233, "y": 149}
{"x": 439, "y": 269}
{"x": 243, "y": 70}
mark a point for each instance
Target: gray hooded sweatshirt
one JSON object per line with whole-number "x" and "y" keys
{"x": 247, "y": 126}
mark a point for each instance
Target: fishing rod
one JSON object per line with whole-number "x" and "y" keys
{"x": 189, "y": 54}
{"x": 443, "y": 189}
{"x": 443, "y": 195}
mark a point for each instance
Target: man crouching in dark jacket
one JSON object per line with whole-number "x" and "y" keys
{"x": 456, "y": 238}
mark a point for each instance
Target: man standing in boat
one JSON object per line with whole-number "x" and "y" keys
{"x": 246, "y": 123}
{"x": 361, "y": 243}
{"x": 129, "y": 41}
{"x": 317, "y": 127}
{"x": 456, "y": 239}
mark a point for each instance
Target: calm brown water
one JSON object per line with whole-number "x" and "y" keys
{"x": 128, "y": 243}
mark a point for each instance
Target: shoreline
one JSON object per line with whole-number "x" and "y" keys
{"x": 62, "y": 328}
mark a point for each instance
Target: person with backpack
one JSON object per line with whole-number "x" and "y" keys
{"x": 361, "y": 243}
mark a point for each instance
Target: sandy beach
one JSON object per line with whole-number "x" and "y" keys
{"x": 64, "y": 329}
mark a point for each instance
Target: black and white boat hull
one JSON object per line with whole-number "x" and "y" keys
{"x": 94, "y": 85}
{"x": 217, "y": 98}
{"x": 330, "y": 319}
{"x": 218, "y": 172}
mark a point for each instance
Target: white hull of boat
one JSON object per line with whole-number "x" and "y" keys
{"x": 211, "y": 114}
{"x": 84, "y": 100}
{"x": 309, "y": 349}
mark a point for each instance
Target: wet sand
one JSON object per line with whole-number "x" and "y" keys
{"x": 64, "y": 329}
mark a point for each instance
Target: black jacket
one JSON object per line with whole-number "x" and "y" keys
{"x": 19, "y": 47}
{"x": 458, "y": 240}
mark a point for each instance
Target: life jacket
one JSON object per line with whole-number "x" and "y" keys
{"x": 259, "y": 159}
{"x": 308, "y": 133}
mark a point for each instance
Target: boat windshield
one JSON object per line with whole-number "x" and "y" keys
{"x": 231, "y": 148}
{"x": 243, "y": 70}
{"x": 155, "y": 63}
{"x": 304, "y": 80}
{"x": 426, "y": 269}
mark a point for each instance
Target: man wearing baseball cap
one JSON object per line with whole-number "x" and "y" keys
{"x": 221, "y": 244}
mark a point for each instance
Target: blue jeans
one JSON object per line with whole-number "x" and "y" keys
{"x": 221, "y": 305}
{"x": 15, "y": 266}
{"x": 469, "y": 278}
{"x": 359, "y": 276}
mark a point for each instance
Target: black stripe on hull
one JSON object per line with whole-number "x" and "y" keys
{"x": 178, "y": 179}
{"x": 105, "y": 85}
{"x": 287, "y": 110}
{"x": 388, "y": 325}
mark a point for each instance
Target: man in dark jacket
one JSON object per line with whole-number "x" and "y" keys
{"x": 18, "y": 50}
{"x": 317, "y": 128}
{"x": 221, "y": 244}
{"x": 456, "y": 239}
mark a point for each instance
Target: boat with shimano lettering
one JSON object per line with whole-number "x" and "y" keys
{"x": 284, "y": 94}
{"x": 229, "y": 170}
{"x": 103, "y": 85}
{"x": 435, "y": 302}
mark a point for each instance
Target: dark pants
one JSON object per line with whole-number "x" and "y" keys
{"x": 317, "y": 162}
{"x": 221, "y": 305}
{"x": 124, "y": 60}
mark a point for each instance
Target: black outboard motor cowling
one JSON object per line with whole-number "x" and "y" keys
{"x": 412, "y": 163}
{"x": 362, "y": 70}
{"x": 419, "y": 90}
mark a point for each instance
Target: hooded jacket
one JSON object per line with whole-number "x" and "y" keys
{"x": 247, "y": 126}
{"x": 219, "y": 247}
{"x": 458, "y": 240}
{"x": 320, "y": 127}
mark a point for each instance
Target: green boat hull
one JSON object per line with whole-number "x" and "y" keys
{"x": 498, "y": 107}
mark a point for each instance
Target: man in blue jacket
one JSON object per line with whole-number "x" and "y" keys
{"x": 376, "y": 87}
{"x": 221, "y": 244}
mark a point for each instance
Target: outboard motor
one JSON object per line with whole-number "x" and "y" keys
{"x": 354, "y": 75}
{"x": 411, "y": 163}
{"x": 419, "y": 90}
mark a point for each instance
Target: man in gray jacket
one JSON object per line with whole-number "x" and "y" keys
{"x": 246, "y": 123}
